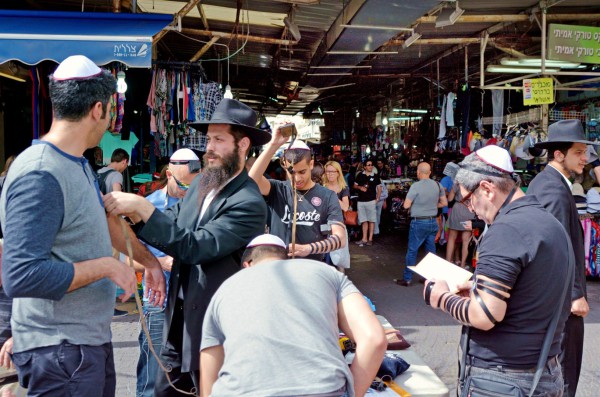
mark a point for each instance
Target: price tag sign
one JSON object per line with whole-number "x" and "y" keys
{"x": 538, "y": 91}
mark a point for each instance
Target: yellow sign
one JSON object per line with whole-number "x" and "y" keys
{"x": 538, "y": 91}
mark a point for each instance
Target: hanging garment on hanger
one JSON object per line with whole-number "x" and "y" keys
{"x": 463, "y": 104}
{"x": 498, "y": 110}
{"x": 442, "y": 132}
{"x": 450, "y": 109}
{"x": 151, "y": 102}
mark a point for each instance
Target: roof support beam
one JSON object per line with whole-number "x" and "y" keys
{"x": 255, "y": 39}
{"x": 177, "y": 17}
{"x": 510, "y": 51}
{"x": 204, "y": 48}
{"x": 452, "y": 40}
{"x": 203, "y": 16}
{"x": 513, "y": 18}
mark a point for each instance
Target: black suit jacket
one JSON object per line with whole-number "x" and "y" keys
{"x": 205, "y": 253}
{"x": 554, "y": 194}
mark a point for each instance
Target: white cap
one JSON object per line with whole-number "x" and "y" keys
{"x": 266, "y": 239}
{"x": 298, "y": 144}
{"x": 184, "y": 155}
{"x": 496, "y": 157}
{"x": 76, "y": 67}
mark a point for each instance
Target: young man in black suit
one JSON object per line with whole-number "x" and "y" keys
{"x": 566, "y": 147}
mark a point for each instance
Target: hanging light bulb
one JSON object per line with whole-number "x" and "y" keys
{"x": 385, "y": 121}
{"x": 121, "y": 84}
{"x": 228, "y": 93}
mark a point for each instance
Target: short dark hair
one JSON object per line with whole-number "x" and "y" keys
{"x": 119, "y": 155}
{"x": 73, "y": 99}
{"x": 261, "y": 251}
{"x": 562, "y": 147}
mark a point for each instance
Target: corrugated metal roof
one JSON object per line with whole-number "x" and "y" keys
{"x": 270, "y": 59}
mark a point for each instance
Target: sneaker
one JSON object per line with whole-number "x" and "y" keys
{"x": 360, "y": 243}
{"x": 370, "y": 242}
{"x": 404, "y": 283}
{"x": 119, "y": 313}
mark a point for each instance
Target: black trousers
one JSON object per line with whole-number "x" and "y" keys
{"x": 170, "y": 356}
{"x": 572, "y": 353}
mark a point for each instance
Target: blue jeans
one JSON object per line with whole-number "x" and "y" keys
{"x": 67, "y": 370}
{"x": 147, "y": 365}
{"x": 550, "y": 384}
{"x": 421, "y": 231}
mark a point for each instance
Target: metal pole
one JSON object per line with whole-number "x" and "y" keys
{"x": 544, "y": 32}
{"x": 482, "y": 46}
{"x": 466, "y": 64}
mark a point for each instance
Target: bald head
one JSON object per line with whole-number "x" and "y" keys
{"x": 179, "y": 173}
{"x": 423, "y": 171}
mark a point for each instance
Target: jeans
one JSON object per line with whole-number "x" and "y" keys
{"x": 421, "y": 231}
{"x": 550, "y": 384}
{"x": 147, "y": 365}
{"x": 67, "y": 370}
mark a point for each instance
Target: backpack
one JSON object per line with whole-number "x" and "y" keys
{"x": 101, "y": 176}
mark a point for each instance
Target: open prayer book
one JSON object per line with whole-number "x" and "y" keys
{"x": 434, "y": 267}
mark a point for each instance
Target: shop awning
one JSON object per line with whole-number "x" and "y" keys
{"x": 34, "y": 36}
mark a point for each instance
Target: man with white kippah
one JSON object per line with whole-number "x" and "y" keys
{"x": 517, "y": 286}
{"x": 567, "y": 156}
{"x": 183, "y": 168}
{"x": 263, "y": 337}
{"x": 317, "y": 206}
{"x": 58, "y": 264}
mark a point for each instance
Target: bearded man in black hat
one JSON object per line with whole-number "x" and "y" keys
{"x": 205, "y": 233}
{"x": 567, "y": 156}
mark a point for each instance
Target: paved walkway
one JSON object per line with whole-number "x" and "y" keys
{"x": 433, "y": 334}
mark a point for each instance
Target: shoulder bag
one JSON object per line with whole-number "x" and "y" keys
{"x": 350, "y": 217}
{"x": 483, "y": 385}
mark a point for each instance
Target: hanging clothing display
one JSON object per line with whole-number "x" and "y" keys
{"x": 177, "y": 97}
{"x": 442, "y": 132}
{"x": 450, "y": 109}
{"x": 498, "y": 110}
{"x": 463, "y": 104}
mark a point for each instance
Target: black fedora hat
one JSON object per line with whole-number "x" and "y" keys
{"x": 232, "y": 112}
{"x": 565, "y": 131}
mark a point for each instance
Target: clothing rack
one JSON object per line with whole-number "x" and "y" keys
{"x": 195, "y": 67}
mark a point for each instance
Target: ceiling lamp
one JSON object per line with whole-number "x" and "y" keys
{"x": 518, "y": 69}
{"x": 361, "y": 52}
{"x": 228, "y": 94}
{"x": 411, "y": 40}
{"x": 448, "y": 16}
{"x": 329, "y": 74}
{"x": 377, "y": 27}
{"x": 410, "y": 110}
{"x": 121, "y": 84}
{"x": 537, "y": 62}
{"x": 342, "y": 67}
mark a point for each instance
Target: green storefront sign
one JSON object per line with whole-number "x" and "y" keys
{"x": 574, "y": 43}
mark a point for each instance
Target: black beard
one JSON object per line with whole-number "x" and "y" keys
{"x": 215, "y": 177}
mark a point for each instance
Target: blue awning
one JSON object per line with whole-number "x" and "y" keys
{"x": 34, "y": 36}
